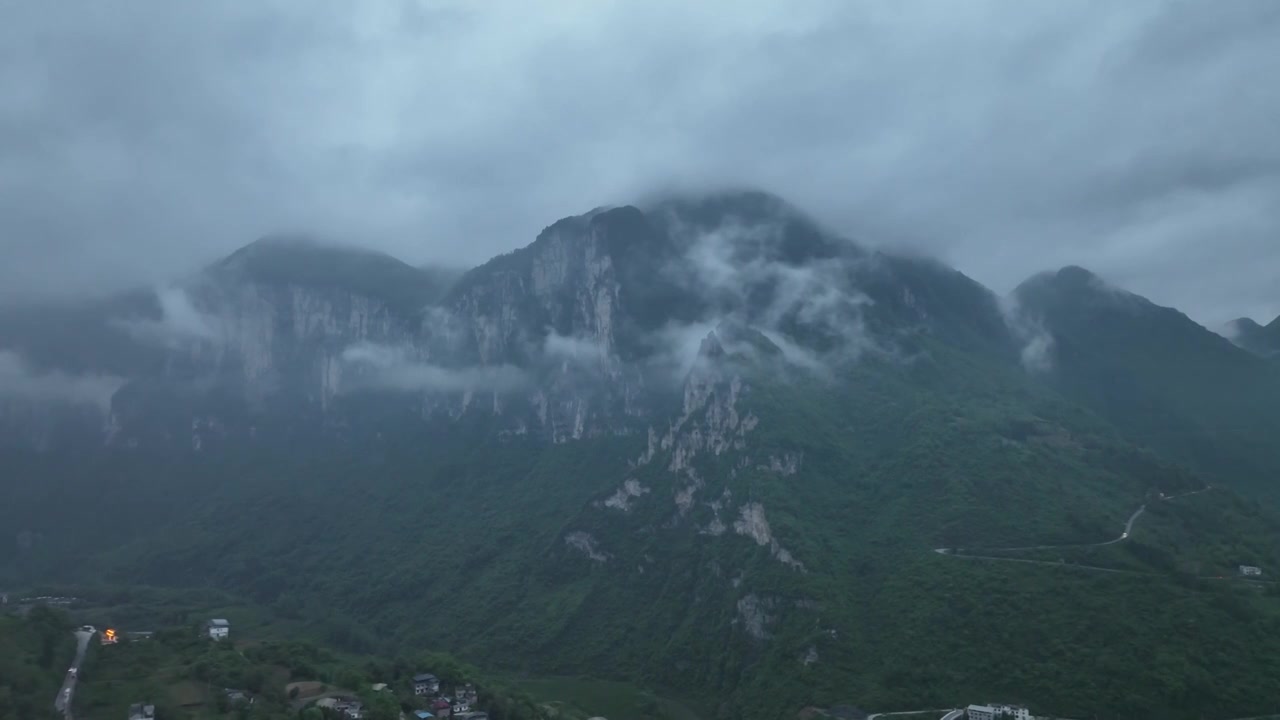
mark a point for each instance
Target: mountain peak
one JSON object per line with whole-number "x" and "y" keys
{"x": 294, "y": 246}
{"x": 304, "y": 260}
{"x": 1244, "y": 324}
{"x": 1077, "y": 274}
{"x": 1258, "y": 339}
{"x": 1072, "y": 281}
{"x": 714, "y": 208}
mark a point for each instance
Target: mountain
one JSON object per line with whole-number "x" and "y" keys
{"x": 1165, "y": 381}
{"x": 1258, "y": 339}
{"x": 703, "y": 444}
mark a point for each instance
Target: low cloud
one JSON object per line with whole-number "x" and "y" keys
{"x": 574, "y": 349}
{"x": 735, "y": 268}
{"x": 180, "y": 321}
{"x": 1037, "y": 342}
{"x": 796, "y": 354}
{"x": 19, "y": 381}
{"x": 680, "y": 345}
{"x": 383, "y": 367}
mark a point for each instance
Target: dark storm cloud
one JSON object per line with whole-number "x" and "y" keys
{"x": 140, "y": 139}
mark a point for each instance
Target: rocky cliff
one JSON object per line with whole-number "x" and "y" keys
{"x": 589, "y": 330}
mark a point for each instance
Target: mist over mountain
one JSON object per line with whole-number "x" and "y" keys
{"x": 641, "y": 361}
{"x": 1260, "y": 339}
{"x": 619, "y": 298}
{"x": 655, "y": 435}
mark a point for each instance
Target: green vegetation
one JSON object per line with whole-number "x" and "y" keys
{"x": 435, "y": 541}
{"x": 574, "y": 697}
{"x": 186, "y": 675}
{"x": 761, "y": 543}
{"x": 35, "y": 652}
{"x": 1161, "y": 379}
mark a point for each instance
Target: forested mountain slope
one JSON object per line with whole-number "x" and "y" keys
{"x": 704, "y": 444}
{"x": 1165, "y": 381}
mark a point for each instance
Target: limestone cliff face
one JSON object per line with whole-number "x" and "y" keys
{"x": 269, "y": 336}
{"x": 553, "y": 309}
{"x": 283, "y": 328}
{"x": 585, "y": 332}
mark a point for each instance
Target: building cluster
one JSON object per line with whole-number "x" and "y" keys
{"x": 458, "y": 704}
{"x": 993, "y": 711}
{"x": 347, "y": 707}
{"x": 1250, "y": 570}
{"x": 433, "y": 701}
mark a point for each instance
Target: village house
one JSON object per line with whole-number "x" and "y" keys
{"x": 442, "y": 708}
{"x": 352, "y": 709}
{"x": 425, "y": 684}
{"x": 142, "y": 711}
{"x": 218, "y": 628}
{"x": 1250, "y": 570}
{"x": 997, "y": 712}
{"x": 465, "y": 694}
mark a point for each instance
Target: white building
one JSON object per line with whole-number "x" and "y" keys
{"x": 997, "y": 712}
{"x": 218, "y": 628}
{"x": 1250, "y": 570}
{"x": 425, "y": 684}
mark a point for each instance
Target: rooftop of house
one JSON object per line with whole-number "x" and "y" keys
{"x": 219, "y": 622}
{"x": 423, "y": 714}
{"x": 425, "y": 677}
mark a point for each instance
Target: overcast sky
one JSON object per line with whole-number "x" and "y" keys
{"x": 1141, "y": 139}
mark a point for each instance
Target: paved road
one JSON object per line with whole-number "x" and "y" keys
{"x": 62, "y": 703}
{"x": 1124, "y": 534}
{"x": 873, "y": 716}
{"x": 1051, "y": 563}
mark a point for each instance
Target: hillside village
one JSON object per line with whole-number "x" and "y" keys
{"x": 423, "y": 696}
{"x": 211, "y": 670}
{"x": 215, "y": 669}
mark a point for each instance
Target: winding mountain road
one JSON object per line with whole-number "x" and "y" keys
{"x": 62, "y": 703}
{"x": 1124, "y": 535}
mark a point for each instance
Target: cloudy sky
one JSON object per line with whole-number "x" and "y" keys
{"x": 1140, "y": 139}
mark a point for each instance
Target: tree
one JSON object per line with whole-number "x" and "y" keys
{"x": 382, "y": 706}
